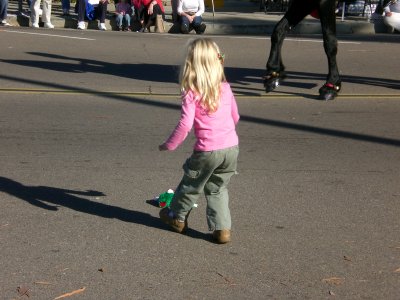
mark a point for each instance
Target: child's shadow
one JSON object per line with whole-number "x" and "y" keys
{"x": 51, "y": 198}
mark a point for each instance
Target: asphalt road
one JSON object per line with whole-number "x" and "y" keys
{"x": 315, "y": 205}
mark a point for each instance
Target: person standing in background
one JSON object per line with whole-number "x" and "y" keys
{"x": 46, "y": 15}
{"x": 3, "y": 13}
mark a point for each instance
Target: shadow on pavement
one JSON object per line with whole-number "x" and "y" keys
{"x": 251, "y": 119}
{"x": 145, "y": 72}
{"x": 51, "y": 198}
{"x": 239, "y": 78}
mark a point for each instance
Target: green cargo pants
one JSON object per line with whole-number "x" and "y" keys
{"x": 208, "y": 172}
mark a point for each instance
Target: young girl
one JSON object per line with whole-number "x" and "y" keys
{"x": 123, "y": 12}
{"x": 208, "y": 104}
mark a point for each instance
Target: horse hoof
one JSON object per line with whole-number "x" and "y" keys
{"x": 329, "y": 91}
{"x": 327, "y": 96}
{"x": 273, "y": 80}
{"x": 271, "y": 84}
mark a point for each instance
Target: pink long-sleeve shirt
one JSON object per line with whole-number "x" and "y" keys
{"x": 213, "y": 131}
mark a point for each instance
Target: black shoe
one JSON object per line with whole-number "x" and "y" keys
{"x": 184, "y": 29}
{"x": 201, "y": 28}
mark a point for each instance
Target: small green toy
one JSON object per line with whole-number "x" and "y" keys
{"x": 164, "y": 200}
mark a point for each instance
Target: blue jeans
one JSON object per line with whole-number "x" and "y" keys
{"x": 65, "y": 4}
{"x": 194, "y": 25}
{"x": 121, "y": 18}
{"x": 3, "y": 9}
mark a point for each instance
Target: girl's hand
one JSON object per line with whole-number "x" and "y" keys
{"x": 162, "y": 147}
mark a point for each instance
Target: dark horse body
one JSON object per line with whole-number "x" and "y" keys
{"x": 296, "y": 12}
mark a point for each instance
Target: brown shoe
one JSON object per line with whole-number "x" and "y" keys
{"x": 176, "y": 225}
{"x": 222, "y": 236}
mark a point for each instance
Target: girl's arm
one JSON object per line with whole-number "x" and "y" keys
{"x": 234, "y": 108}
{"x": 184, "y": 126}
{"x": 235, "y": 111}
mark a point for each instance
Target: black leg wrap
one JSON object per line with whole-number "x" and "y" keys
{"x": 329, "y": 91}
{"x": 272, "y": 80}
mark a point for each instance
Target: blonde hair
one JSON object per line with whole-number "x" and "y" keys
{"x": 202, "y": 72}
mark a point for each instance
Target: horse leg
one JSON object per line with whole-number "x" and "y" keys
{"x": 275, "y": 68}
{"x": 275, "y": 72}
{"x": 328, "y": 24}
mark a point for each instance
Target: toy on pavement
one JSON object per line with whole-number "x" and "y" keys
{"x": 164, "y": 199}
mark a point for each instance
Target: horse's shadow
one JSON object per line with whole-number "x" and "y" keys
{"x": 244, "y": 81}
{"x": 51, "y": 198}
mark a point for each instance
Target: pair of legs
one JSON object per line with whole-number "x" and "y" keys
{"x": 149, "y": 20}
{"x": 66, "y": 5}
{"x": 99, "y": 11}
{"x": 35, "y": 11}
{"x": 121, "y": 19}
{"x": 3, "y": 9}
{"x": 297, "y": 11}
{"x": 186, "y": 26}
{"x": 208, "y": 173}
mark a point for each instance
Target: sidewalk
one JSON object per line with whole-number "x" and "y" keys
{"x": 241, "y": 20}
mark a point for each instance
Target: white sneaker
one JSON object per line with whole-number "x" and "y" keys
{"x": 48, "y": 25}
{"x": 81, "y": 25}
{"x": 35, "y": 25}
{"x": 5, "y": 23}
{"x": 102, "y": 26}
